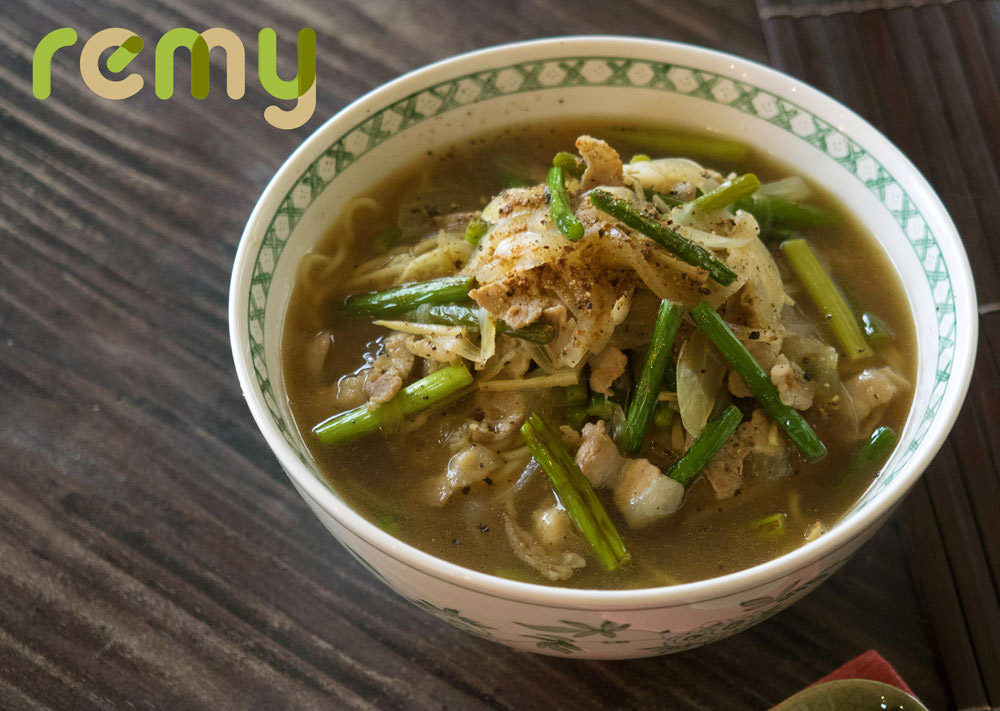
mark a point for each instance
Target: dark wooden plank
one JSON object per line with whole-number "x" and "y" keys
{"x": 154, "y": 555}
{"x": 926, "y": 76}
{"x": 941, "y": 596}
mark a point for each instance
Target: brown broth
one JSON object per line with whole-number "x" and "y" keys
{"x": 379, "y": 476}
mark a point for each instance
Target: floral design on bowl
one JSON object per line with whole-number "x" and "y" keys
{"x": 607, "y": 77}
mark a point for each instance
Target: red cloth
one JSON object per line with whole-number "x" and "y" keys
{"x": 869, "y": 665}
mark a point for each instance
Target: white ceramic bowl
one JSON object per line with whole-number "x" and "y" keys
{"x": 625, "y": 79}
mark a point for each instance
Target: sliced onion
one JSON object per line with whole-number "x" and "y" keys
{"x": 442, "y": 348}
{"x": 487, "y": 338}
{"x": 422, "y": 329}
{"x": 713, "y": 240}
{"x": 450, "y": 254}
{"x": 771, "y": 465}
{"x": 561, "y": 378}
{"x": 663, "y": 174}
{"x": 792, "y": 188}
{"x": 754, "y": 263}
{"x": 700, "y": 372}
{"x": 819, "y": 361}
{"x": 491, "y": 213}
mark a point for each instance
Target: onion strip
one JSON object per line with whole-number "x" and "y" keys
{"x": 422, "y": 329}
{"x": 561, "y": 378}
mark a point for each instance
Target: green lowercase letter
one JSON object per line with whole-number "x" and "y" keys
{"x": 165, "y": 48}
{"x": 41, "y": 60}
{"x": 302, "y": 87}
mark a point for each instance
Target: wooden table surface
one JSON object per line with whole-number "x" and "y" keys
{"x": 153, "y": 554}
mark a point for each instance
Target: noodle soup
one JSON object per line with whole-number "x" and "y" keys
{"x": 520, "y": 410}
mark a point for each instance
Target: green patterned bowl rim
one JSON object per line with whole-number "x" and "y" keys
{"x": 621, "y": 63}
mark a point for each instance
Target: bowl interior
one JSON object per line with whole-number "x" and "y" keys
{"x": 617, "y": 79}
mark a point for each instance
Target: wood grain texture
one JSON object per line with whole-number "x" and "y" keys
{"x": 927, "y": 77}
{"x": 152, "y": 553}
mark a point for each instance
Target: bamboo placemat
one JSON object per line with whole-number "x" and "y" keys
{"x": 925, "y": 72}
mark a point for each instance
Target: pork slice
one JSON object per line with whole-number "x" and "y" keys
{"x": 644, "y": 495}
{"x": 517, "y": 362}
{"x": 590, "y": 298}
{"x": 503, "y": 414}
{"x": 503, "y": 406}
{"x": 570, "y": 437}
{"x": 383, "y": 388}
{"x": 874, "y": 387}
{"x": 518, "y": 299}
{"x": 790, "y": 380}
{"x": 556, "y": 315}
{"x": 724, "y": 471}
{"x": 606, "y": 368}
{"x": 611, "y": 249}
{"x": 640, "y": 490}
{"x": 396, "y": 355}
{"x": 379, "y": 382}
{"x": 351, "y": 389}
{"x": 466, "y": 467}
{"x": 554, "y": 563}
{"x": 604, "y": 165}
{"x": 737, "y": 387}
{"x": 597, "y": 457}
{"x": 553, "y": 528}
{"x": 764, "y": 344}
{"x": 815, "y": 530}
